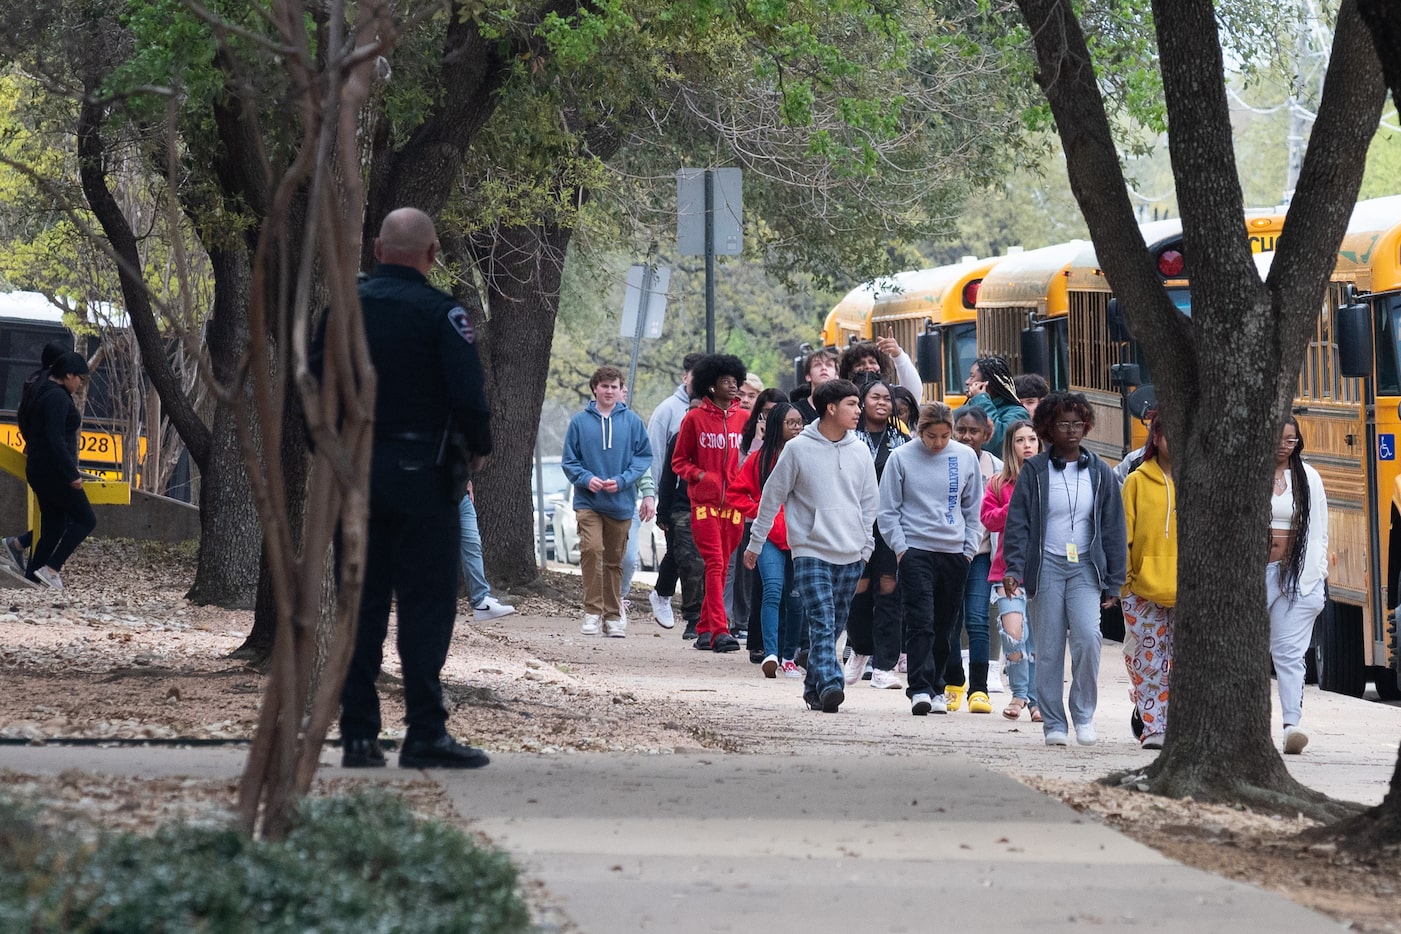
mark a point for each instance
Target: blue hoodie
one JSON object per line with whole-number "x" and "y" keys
{"x": 613, "y": 447}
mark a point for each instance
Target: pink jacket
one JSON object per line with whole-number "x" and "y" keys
{"x": 996, "y": 498}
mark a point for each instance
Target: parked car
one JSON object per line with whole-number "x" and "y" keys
{"x": 557, "y": 491}
{"x": 651, "y": 547}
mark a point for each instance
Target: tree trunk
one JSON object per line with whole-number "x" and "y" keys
{"x": 1225, "y": 376}
{"x": 523, "y": 292}
{"x": 230, "y": 533}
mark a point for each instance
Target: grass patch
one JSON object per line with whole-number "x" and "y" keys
{"x": 360, "y": 863}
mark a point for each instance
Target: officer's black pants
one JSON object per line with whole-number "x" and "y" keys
{"x": 412, "y": 554}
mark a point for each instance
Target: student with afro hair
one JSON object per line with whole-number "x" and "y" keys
{"x": 709, "y": 449}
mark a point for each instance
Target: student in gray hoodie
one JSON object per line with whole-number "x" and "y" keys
{"x": 826, "y": 482}
{"x": 930, "y": 496}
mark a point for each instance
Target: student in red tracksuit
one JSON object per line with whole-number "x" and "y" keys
{"x": 707, "y": 458}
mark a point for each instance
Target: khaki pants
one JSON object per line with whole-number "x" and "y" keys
{"x": 602, "y": 541}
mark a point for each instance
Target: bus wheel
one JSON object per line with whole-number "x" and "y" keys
{"x": 1385, "y": 680}
{"x": 1340, "y": 667}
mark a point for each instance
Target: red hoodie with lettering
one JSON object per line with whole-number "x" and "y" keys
{"x": 709, "y": 443}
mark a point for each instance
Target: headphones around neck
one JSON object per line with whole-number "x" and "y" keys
{"x": 1083, "y": 461}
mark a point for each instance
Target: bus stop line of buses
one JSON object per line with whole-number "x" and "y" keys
{"x": 1049, "y": 311}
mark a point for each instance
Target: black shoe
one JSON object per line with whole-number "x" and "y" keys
{"x": 801, "y": 659}
{"x": 756, "y": 656}
{"x": 812, "y": 702}
{"x": 832, "y": 699}
{"x": 1136, "y": 723}
{"x": 362, "y": 754}
{"x": 441, "y": 753}
{"x": 741, "y": 634}
{"x": 703, "y": 641}
{"x": 690, "y": 632}
{"x": 724, "y": 643}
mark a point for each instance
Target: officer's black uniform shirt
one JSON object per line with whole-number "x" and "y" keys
{"x": 425, "y": 356}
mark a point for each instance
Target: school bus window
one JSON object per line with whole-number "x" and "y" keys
{"x": 960, "y": 350}
{"x": 1388, "y": 329}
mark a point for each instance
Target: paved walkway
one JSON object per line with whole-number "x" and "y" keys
{"x": 715, "y": 843}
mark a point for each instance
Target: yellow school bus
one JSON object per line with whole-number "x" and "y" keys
{"x": 849, "y": 320}
{"x": 942, "y": 299}
{"x": 1350, "y": 428}
{"x": 1098, "y": 341}
{"x": 1023, "y": 291}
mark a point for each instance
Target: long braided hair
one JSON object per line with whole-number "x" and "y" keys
{"x": 1290, "y": 570}
{"x": 1001, "y": 385}
{"x": 773, "y": 440}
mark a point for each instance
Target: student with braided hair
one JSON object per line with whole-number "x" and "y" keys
{"x": 990, "y": 386}
{"x": 1295, "y": 575}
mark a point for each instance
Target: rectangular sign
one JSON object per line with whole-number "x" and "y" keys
{"x": 94, "y": 447}
{"x": 655, "y": 313}
{"x": 1386, "y": 447}
{"x": 727, "y": 205}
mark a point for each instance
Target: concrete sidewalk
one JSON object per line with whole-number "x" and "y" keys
{"x": 704, "y": 843}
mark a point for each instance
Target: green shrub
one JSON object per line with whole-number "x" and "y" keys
{"x": 354, "y": 864}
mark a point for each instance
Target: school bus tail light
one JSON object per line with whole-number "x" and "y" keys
{"x": 1171, "y": 264}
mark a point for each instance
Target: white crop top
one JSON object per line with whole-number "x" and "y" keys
{"x": 1282, "y": 505}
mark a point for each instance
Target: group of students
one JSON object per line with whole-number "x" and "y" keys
{"x": 897, "y": 526}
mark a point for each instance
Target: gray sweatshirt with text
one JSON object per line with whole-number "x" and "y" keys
{"x": 931, "y": 501}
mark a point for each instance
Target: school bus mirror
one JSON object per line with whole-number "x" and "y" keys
{"x": 1143, "y": 402}
{"x": 1352, "y": 327}
{"x": 800, "y": 375}
{"x": 1036, "y": 351}
{"x": 929, "y": 357}
{"x": 1124, "y": 375}
{"x": 1116, "y": 322}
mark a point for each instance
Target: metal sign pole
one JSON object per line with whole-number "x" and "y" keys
{"x": 709, "y": 261}
{"x": 643, "y": 303}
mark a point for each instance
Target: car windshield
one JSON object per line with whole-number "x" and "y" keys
{"x": 556, "y": 484}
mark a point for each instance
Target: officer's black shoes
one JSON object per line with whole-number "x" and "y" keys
{"x": 724, "y": 642}
{"x": 441, "y": 753}
{"x": 362, "y": 754}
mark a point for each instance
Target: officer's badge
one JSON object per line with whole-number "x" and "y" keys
{"x": 462, "y": 324}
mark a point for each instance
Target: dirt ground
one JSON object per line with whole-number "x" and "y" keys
{"x": 122, "y": 655}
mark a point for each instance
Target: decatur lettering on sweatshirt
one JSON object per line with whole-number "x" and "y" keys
{"x": 931, "y": 501}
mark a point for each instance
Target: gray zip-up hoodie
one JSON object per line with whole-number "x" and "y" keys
{"x": 931, "y": 501}
{"x": 1023, "y": 539}
{"x": 828, "y": 489}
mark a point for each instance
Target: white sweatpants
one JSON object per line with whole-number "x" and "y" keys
{"x": 1291, "y": 630}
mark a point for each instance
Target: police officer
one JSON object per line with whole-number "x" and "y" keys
{"x": 429, "y": 381}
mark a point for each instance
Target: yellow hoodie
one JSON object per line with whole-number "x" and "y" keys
{"x": 1150, "y": 517}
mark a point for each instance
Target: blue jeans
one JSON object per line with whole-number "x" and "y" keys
{"x": 477, "y": 587}
{"x": 826, "y": 591}
{"x": 630, "y": 559}
{"x": 780, "y": 616}
{"x": 1066, "y": 608}
{"x": 977, "y": 590}
{"x": 1021, "y": 674}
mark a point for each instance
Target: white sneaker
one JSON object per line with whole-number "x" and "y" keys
{"x": 1057, "y": 738}
{"x": 885, "y": 680}
{"x": 51, "y": 578}
{"x": 938, "y": 704}
{"x": 661, "y": 610}
{"x": 995, "y": 677}
{"x": 590, "y": 625}
{"x": 920, "y": 704}
{"x": 1295, "y": 739}
{"x": 770, "y": 666}
{"x": 855, "y": 667}
{"x": 791, "y": 669}
{"x": 491, "y": 608}
{"x": 616, "y": 628}
{"x": 1085, "y": 735}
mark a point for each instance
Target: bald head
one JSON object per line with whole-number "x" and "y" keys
{"x": 407, "y": 238}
